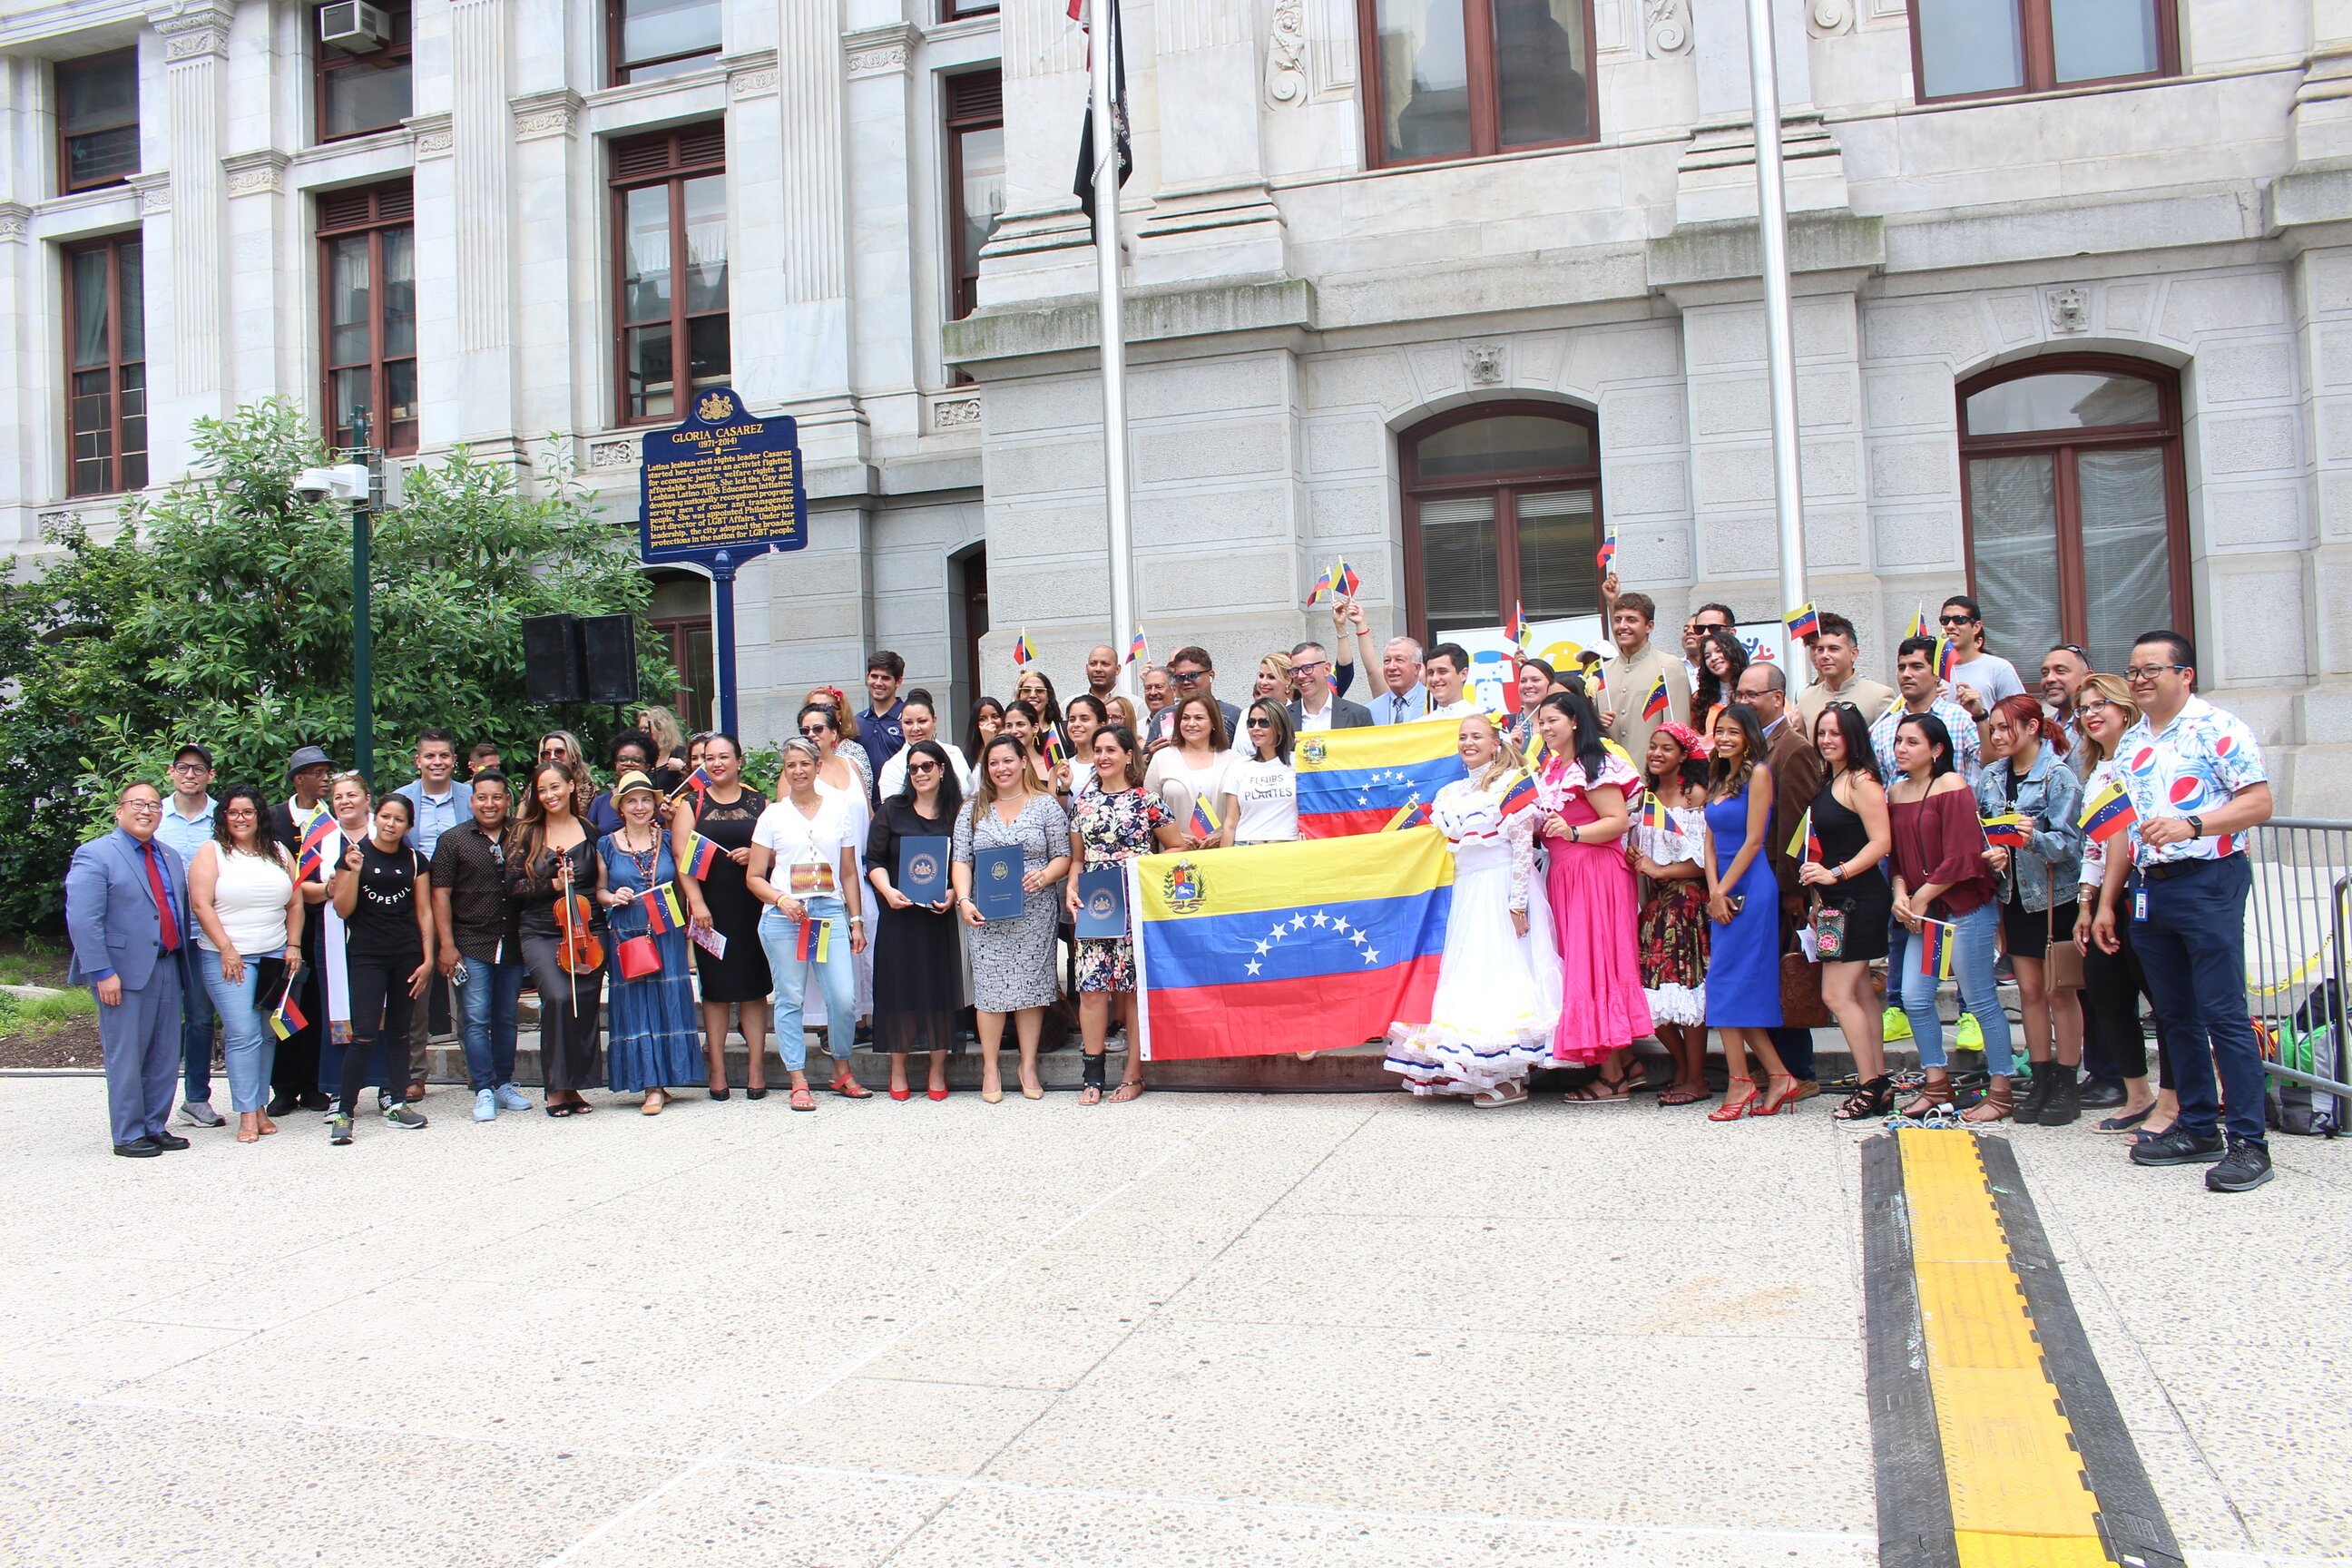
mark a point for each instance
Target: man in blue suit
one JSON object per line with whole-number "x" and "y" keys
{"x": 127, "y": 915}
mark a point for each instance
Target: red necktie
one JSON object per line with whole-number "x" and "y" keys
{"x": 171, "y": 933}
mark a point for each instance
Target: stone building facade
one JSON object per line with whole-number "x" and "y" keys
{"x": 2074, "y": 312}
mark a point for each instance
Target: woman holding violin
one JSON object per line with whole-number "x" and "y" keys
{"x": 551, "y": 876}
{"x": 384, "y": 899}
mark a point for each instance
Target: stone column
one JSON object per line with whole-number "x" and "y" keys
{"x": 2322, "y": 121}
{"x": 480, "y": 139}
{"x": 806, "y": 351}
{"x": 1211, "y": 216}
{"x": 1716, "y": 179}
{"x": 19, "y": 416}
{"x": 195, "y": 52}
{"x": 883, "y": 118}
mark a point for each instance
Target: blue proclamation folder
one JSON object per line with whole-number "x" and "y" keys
{"x": 996, "y": 882}
{"x": 923, "y": 868}
{"x": 1102, "y": 902}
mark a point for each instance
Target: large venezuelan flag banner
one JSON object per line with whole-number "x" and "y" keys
{"x": 1354, "y": 781}
{"x": 1267, "y": 948}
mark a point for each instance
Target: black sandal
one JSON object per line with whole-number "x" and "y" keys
{"x": 1868, "y": 1103}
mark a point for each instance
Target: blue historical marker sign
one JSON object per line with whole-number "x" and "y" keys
{"x": 726, "y": 481}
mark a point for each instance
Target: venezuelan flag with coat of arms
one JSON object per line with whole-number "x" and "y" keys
{"x": 1233, "y": 959}
{"x": 1355, "y": 780}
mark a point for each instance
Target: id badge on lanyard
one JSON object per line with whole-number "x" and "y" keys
{"x": 2139, "y": 903}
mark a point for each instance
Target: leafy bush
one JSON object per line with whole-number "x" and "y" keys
{"x": 221, "y": 612}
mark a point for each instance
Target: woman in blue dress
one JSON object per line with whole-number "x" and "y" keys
{"x": 654, "y": 1038}
{"x": 1743, "y": 965}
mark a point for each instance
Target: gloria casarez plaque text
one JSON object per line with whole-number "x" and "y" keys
{"x": 724, "y": 480}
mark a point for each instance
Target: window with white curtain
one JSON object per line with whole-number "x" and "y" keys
{"x": 2076, "y": 511}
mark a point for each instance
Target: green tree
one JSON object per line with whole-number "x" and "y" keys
{"x": 221, "y": 612}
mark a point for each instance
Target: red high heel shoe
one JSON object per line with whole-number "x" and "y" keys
{"x": 1778, "y": 1101}
{"x": 902, "y": 1094}
{"x": 939, "y": 1093}
{"x": 1734, "y": 1107}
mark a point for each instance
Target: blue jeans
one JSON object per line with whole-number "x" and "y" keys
{"x": 486, "y": 1005}
{"x": 838, "y": 974}
{"x": 2192, "y": 950}
{"x": 196, "y": 1008}
{"x": 247, "y": 1043}
{"x": 1972, "y": 941}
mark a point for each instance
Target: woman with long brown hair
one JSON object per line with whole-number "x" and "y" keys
{"x": 1193, "y": 768}
{"x": 717, "y": 900}
{"x": 1743, "y": 899}
{"x": 1670, "y": 859}
{"x": 2112, "y": 981}
{"x": 1011, "y": 959}
{"x": 2025, "y": 773}
{"x": 1114, "y": 822}
{"x": 554, "y": 859}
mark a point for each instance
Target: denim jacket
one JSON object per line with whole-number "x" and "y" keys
{"x": 2050, "y": 800}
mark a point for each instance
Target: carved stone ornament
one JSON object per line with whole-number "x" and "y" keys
{"x": 543, "y": 122}
{"x": 2069, "y": 311}
{"x": 1285, "y": 53}
{"x": 13, "y": 217}
{"x": 154, "y": 193}
{"x": 621, "y": 454}
{"x": 434, "y": 144}
{"x": 1483, "y": 363}
{"x": 888, "y": 57}
{"x": 955, "y": 413}
{"x": 751, "y": 84}
{"x": 48, "y": 521}
{"x": 252, "y": 174}
{"x": 1665, "y": 27}
{"x": 1827, "y": 17}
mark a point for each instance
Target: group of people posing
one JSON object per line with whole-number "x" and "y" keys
{"x": 1669, "y": 859}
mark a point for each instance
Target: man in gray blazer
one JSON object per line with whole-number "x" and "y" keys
{"x": 127, "y": 915}
{"x": 1310, "y": 669}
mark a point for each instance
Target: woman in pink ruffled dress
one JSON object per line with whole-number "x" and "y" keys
{"x": 1582, "y": 792}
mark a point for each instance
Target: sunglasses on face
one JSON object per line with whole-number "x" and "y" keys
{"x": 814, "y": 730}
{"x": 914, "y": 768}
{"x": 1188, "y": 677}
{"x": 1955, "y": 620}
{"x": 1261, "y": 723}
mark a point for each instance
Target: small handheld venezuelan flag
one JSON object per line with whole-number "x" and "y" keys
{"x": 1024, "y": 656}
{"x": 1605, "y": 557}
{"x": 1322, "y": 586}
{"x": 1802, "y": 844}
{"x": 1058, "y": 750}
{"x": 1919, "y": 627}
{"x": 2109, "y": 812}
{"x": 285, "y": 1020}
{"x": 1517, "y": 630}
{"x": 1653, "y": 812}
{"x": 664, "y": 913}
{"x": 1412, "y": 815}
{"x": 1520, "y": 796}
{"x": 1656, "y": 705}
{"x": 1137, "y": 649}
{"x": 1803, "y": 622}
{"x": 812, "y": 941}
{"x": 1948, "y": 658}
{"x": 701, "y": 854}
{"x": 698, "y": 780}
{"x": 1205, "y": 819}
{"x": 1935, "y": 949}
{"x": 2006, "y": 830}
{"x": 1344, "y": 581}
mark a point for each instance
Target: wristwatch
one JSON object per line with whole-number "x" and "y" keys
{"x": 2196, "y": 826}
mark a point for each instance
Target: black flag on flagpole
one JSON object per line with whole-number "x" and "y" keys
{"x": 1083, "y": 185}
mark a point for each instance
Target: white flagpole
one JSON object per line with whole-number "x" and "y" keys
{"x": 1112, "y": 332}
{"x": 1780, "y": 335}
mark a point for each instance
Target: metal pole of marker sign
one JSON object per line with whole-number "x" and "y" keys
{"x": 1780, "y": 334}
{"x": 722, "y": 577}
{"x": 1112, "y": 332}
{"x": 363, "y": 614}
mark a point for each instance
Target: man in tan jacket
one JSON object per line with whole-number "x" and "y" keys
{"x": 1629, "y": 678}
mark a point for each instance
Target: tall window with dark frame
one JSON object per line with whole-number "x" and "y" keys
{"x": 974, "y": 102}
{"x": 957, "y": 10}
{"x": 669, "y": 227}
{"x": 1502, "y": 506}
{"x": 106, "y": 368}
{"x": 647, "y": 40}
{"x": 2075, "y": 462}
{"x": 98, "y": 121}
{"x": 367, "y": 270}
{"x": 1468, "y": 79}
{"x": 1986, "y": 49}
{"x": 360, "y": 89}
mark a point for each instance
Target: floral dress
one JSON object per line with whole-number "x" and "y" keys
{"x": 1115, "y": 829}
{"x": 1673, "y": 930}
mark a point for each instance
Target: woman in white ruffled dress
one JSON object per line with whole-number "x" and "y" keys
{"x": 1497, "y": 1000}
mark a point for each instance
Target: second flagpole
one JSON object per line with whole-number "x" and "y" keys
{"x": 1102, "y": 57}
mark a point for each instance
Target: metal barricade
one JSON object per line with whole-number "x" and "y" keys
{"x": 2297, "y": 920}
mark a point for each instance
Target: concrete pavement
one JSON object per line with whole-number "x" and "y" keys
{"x": 1197, "y": 1329}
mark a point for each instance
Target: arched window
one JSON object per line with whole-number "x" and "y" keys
{"x": 1502, "y": 506}
{"x": 2077, "y": 507}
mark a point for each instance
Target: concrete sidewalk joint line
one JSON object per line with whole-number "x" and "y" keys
{"x": 850, "y": 1369}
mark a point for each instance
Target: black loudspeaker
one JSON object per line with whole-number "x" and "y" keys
{"x": 552, "y": 664}
{"x": 609, "y": 645}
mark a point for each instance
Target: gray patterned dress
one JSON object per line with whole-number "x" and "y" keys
{"x": 1013, "y": 961}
